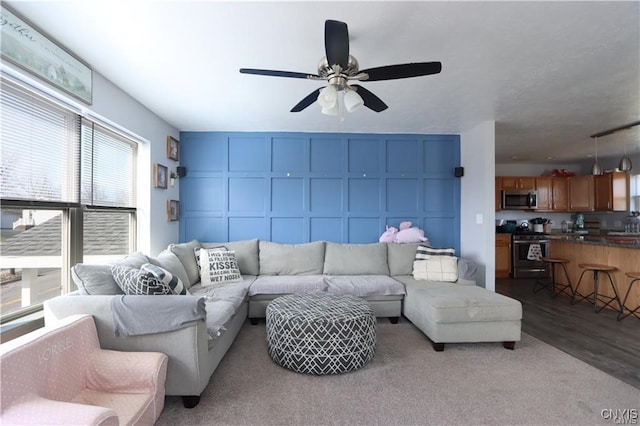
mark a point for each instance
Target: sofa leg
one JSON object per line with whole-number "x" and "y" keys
{"x": 254, "y": 321}
{"x": 509, "y": 345}
{"x": 190, "y": 401}
{"x": 394, "y": 320}
{"x": 438, "y": 347}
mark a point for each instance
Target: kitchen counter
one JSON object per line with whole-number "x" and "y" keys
{"x": 614, "y": 240}
{"x": 599, "y": 249}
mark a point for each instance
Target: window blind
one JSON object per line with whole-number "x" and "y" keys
{"x": 108, "y": 167}
{"x": 39, "y": 149}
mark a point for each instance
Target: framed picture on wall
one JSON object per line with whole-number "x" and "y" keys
{"x": 160, "y": 176}
{"x": 173, "y": 210}
{"x": 173, "y": 148}
{"x": 26, "y": 46}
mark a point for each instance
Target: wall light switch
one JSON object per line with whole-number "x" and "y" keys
{"x": 479, "y": 218}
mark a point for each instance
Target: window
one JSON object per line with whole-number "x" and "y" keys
{"x": 67, "y": 188}
{"x": 635, "y": 193}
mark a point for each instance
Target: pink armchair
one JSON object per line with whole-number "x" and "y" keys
{"x": 59, "y": 375}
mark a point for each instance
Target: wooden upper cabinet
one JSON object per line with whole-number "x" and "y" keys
{"x": 581, "y": 196}
{"x": 607, "y": 192}
{"x": 518, "y": 182}
{"x": 611, "y": 191}
{"x": 544, "y": 192}
{"x": 559, "y": 194}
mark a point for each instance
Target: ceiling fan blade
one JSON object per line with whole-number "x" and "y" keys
{"x": 392, "y": 72}
{"x": 336, "y": 43}
{"x": 274, "y": 73}
{"x": 371, "y": 101}
{"x": 311, "y": 98}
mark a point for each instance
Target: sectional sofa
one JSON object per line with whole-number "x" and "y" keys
{"x": 381, "y": 273}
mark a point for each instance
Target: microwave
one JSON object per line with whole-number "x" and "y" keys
{"x": 519, "y": 200}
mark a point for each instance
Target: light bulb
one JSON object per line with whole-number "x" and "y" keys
{"x": 331, "y": 111}
{"x": 352, "y": 101}
{"x": 328, "y": 97}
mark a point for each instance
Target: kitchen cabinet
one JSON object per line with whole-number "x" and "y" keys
{"x": 498, "y": 193}
{"x": 518, "y": 182}
{"x": 503, "y": 255}
{"x": 544, "y": 193}
{"x": 581, "y": 196}
{"x": 611, "y": 192}
{"x": 559, "y": 194}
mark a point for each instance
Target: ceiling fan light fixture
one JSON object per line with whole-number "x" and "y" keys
{"x": 330, "y": 111}
{"x": 328, "y": 98}
{"x": 352, "y": 101}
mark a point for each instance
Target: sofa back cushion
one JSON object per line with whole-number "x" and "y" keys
{"x": 246, "y": 254}
{"x": 356, "y": 259}
{"x": 170, "y": 262}
{"x": 400, "y": 258}
{"x": 187, "y": 256}
{"x": 97, "y": 279}
{"x": 291, "y": 259}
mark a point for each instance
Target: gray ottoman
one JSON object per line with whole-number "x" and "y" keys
{"x": 319, "y": 333}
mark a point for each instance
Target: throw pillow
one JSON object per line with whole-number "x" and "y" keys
{"x": 161, "y": 274}
{"x": 437, "y": 268}
{"x": 424, "y": 252}
{"x": 137, "y": 281}
{"x": 196, "y": 251}
{"x": 218, "y": 267}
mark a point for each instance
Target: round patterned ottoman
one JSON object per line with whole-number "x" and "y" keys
{"x": 321, "y": 333}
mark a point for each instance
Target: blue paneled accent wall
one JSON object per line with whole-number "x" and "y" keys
{"x": 300, "y": 187}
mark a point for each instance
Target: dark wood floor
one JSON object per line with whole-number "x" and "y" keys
{"x": 596, "y": 338}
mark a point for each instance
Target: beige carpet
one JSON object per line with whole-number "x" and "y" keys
{"x": 408, "y": 383}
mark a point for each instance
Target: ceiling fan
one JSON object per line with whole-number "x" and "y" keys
{"x": 338, "y": 67}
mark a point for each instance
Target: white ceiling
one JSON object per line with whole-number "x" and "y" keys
{"x": 549, "y": 74}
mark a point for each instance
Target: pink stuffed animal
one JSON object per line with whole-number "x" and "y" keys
{"x": 409, "y": 234}
{"x": 389, "y": 236}
{"x": 406, "y": 234}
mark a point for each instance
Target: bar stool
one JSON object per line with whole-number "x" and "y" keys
{"x": 596, "y": 268}
{"x": 552, "y": 284}
{"x": 635, "y": 277}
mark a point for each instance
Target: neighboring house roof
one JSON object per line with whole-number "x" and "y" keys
{"x": 101, "y": 237}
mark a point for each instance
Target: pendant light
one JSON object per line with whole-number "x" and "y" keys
{"x": 596, "y": 169}
{"x": 625, "y": 162}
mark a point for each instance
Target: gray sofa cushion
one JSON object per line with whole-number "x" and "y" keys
{"x": 97, "y": 279}
{"x": 94, "y": 279}
{"x": 467, "y": 269}
{"x": 454, "y": 304}
{"x": 187, "y": 257}
{"x": 246, "y": 254}
{"x": 410, "y": 282}
{"x": 291, "y": 259}
{"x": 356, "y": 259}
{"x": 169, "y": 261}
{"x": 364, "y": 285}
{"x": 287, "y": 284}
{"x": 400, "y": 257}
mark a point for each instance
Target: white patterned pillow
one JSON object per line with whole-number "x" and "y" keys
{"x": 424, "y": 252}
{"x": 436, "y": 268}
{"x": 137, "y": 281}
{"x": 196, "y": 251}
{"x": 174, "y": 283}
{"x": 218, "y": 267}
